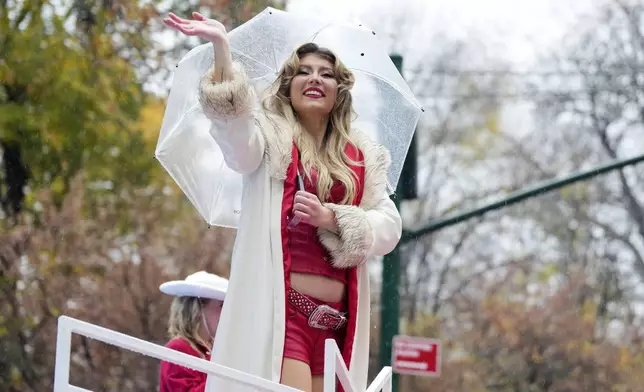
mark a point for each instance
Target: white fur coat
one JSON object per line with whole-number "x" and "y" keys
{"x": 250, "y": 337}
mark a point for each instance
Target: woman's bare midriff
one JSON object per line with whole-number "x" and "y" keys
{"x": 318, "y": 286}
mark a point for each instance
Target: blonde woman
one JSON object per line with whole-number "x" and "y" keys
{"x": 315, "y": 208}
{"x": 194, "y": 317}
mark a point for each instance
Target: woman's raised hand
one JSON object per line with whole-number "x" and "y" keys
{"x": 213, "y": 31}
{"x": 200, "y": 26}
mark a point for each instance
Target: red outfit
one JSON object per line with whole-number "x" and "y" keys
{"x": 307, "y": 253}
{"x": 303, "y": 253}
{"x": 305, "y": 343}
{"x": 176, "y": 378}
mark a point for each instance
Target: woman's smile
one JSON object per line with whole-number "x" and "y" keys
{"x": 314, "y": 92}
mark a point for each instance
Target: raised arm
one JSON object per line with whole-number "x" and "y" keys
{"x": 226, "y": 97}
{"x": 229, "y": 106}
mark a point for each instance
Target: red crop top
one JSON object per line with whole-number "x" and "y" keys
{"x": 307, "y": 254}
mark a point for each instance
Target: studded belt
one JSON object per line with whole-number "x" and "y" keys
{"x": 320, "y": 316}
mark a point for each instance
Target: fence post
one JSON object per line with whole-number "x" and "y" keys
{"x": 63, "y": 354}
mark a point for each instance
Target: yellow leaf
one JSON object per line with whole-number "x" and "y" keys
{"x": 150, "y": 119}
{"x": 58, "y": 185}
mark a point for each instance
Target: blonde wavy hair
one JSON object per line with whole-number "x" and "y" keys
{"x": 330, "y": 160}
{"x": 185, "y": 321}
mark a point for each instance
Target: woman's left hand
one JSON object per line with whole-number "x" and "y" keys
{"x": 307, "y": 207}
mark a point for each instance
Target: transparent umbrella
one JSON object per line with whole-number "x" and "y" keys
{"x": 386, "y": 108}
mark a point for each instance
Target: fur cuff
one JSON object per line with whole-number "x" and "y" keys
{"x": 228, "y": 99}
{"x": 351, "y": 246}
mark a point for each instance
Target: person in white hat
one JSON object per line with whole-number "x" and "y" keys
{"x": 194, "y": 317}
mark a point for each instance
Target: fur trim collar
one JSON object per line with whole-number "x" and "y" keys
{"x": 279, "y": 144}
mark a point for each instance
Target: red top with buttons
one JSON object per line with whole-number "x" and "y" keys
{"x": 307, "y": 255}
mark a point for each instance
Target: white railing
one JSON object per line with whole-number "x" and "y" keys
{"x": 68, "y": 325}
{"x": 334, "y": 366}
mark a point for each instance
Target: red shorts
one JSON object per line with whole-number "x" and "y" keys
{"x": 305, "y": 343}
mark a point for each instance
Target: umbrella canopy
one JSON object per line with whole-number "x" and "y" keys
{"x": 386, "y": 108}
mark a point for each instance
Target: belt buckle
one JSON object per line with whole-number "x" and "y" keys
{"x": 316, "y": 319}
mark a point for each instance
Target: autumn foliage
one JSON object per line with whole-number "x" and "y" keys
{"x": 521, "y": 336}
{"x": 89, "y": 268}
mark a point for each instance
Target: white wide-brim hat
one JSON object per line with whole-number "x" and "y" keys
{"x": 200, "y": 284}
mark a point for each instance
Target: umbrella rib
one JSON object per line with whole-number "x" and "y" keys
{"x": 240, "y": 53}
{"x": 187, "y": 179}
{"x": 386, "y": 127}
{"x": 311, "y": 38}
{"x": 273, "y": 54}
{"x": 171, "y": 132}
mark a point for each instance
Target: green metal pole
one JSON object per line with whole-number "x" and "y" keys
{"x": 516, "y": 197}
{"x": 389, "y": 296}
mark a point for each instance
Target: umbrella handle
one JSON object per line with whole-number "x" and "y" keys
{"x": 293, "y": 222}
{"x": 296, "y": 219}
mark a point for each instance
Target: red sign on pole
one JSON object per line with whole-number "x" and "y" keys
{"x": 417, "y": 356}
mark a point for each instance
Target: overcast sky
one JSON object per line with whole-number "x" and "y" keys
{"x": 518, "y": 30}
